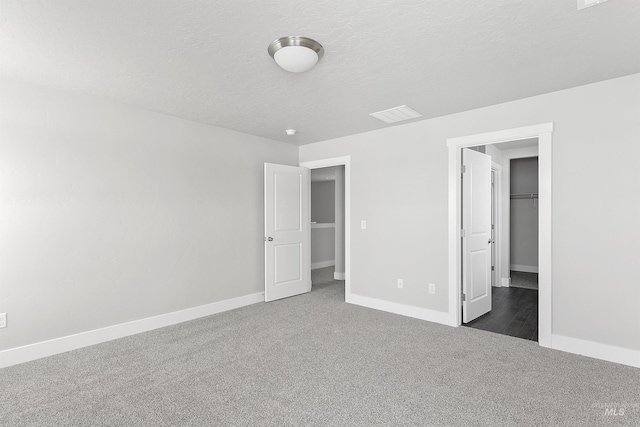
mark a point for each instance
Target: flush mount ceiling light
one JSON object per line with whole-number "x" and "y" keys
{"x": 296, "y": 54}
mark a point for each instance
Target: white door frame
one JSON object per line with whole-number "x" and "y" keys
{"x": 496, "y": 213}
{"x": 346, "y": 162}
{"x": 544, "y": 134}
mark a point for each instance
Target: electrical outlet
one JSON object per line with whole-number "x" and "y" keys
{"x": 3, "y": 320}
{"x": 400, "y": 284}
{"x": 363, "y": 224}
{"x": 432, "y": 288}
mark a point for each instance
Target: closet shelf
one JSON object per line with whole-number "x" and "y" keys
{"x": 525, "y": 196}
{"x": 323, "y": 225}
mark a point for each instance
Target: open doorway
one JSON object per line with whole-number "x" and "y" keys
{"x": 514, "y": 295}
{"x": 543, "y": 133}
{"x": 287, "y": 227}
{"x": 327, "y": 227}
{"x": 523, "y": 212}
{"x": 342, "y": 209}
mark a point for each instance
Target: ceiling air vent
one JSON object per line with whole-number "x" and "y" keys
{"x": 397, "y": 114}
{"x": 583, "y": 4}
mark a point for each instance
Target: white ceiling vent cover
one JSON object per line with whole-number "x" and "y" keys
{"x": 397, "y": 114}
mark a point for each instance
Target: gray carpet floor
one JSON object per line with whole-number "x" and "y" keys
{"x": 521, "y": 279}
{"x": 314, "y": 360}
{"x": 321, "y": 276}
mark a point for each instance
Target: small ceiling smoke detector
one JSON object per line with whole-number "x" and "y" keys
{"x": 397, "y": 114}
{"x": 290, "y": 132}
{"x": 583, "y": 4}
{"x": 296, "y": 54}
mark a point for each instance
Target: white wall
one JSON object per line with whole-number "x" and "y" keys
{"x": 111, "y": 214}
{"x": 323, "y": 201}
{"x": 495, "y": 153}
{"x": 595, "y": 254}
{"x": 323, "y": 246}
{"x": 340, "y": 212}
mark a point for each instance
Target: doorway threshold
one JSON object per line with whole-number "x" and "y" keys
{"x": 514, "y": 312}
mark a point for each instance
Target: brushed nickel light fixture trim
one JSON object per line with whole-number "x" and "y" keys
{"x": 296, "y": 54}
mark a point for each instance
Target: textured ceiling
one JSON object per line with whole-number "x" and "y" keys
{"x": 207, "y": 60}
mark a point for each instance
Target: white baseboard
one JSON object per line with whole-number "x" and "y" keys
{"x": 323, "y": 264}
{"x": 524, "y": 268}
{"x": 506, "y": 282}
{"x": 611, "y": 353}
{"x": 402, "y": 309}
{"x": 14, "y": 356}
{"x": 339, "y": 276}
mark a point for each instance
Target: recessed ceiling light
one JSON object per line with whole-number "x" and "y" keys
{"x": 397, "y": 114}
{"x": 290, "y": 132}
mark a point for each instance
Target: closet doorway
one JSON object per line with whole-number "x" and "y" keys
{"x": 328, "y": 261}
{"x": 514, "y": 291}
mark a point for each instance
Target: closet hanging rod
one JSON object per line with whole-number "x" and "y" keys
{"x": 525, "y": 196}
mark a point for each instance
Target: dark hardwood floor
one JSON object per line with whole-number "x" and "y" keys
{"x": 514, "y": 312}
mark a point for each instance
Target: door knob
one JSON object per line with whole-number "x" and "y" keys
{"x": 270, "y": 239}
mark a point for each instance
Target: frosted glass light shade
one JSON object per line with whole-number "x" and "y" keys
{"x": 296, "y": 59}
{"x": 296, "y": 54}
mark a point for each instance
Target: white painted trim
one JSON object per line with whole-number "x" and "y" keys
{"x": 624, "y": 356}
{"x": 323, "y": 225}
{"x": 506, "y": 135}
{"x": 338, "y": 276}
{"x": 323, "y": 264}
{"x": 545, "y": 233}
{"x": 27, "y": 353}
{"x": 544, "y": 134}
{"x": 506, "y": 282}
{"x": 497, "y": 205}
{"x": 524, "y": 268}
{"x": 346, "y": 162}
{"x": 403, "y": 310}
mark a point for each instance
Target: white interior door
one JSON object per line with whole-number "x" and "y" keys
{"x": 476, "y": 237}
{"x": 287, "y": 225}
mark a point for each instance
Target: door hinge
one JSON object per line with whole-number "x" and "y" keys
{"x": 492, "y": 268}
{"x": 463, "y": 297}
{"x": 464, "y": 169}
{"x": 462, "y": 233}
